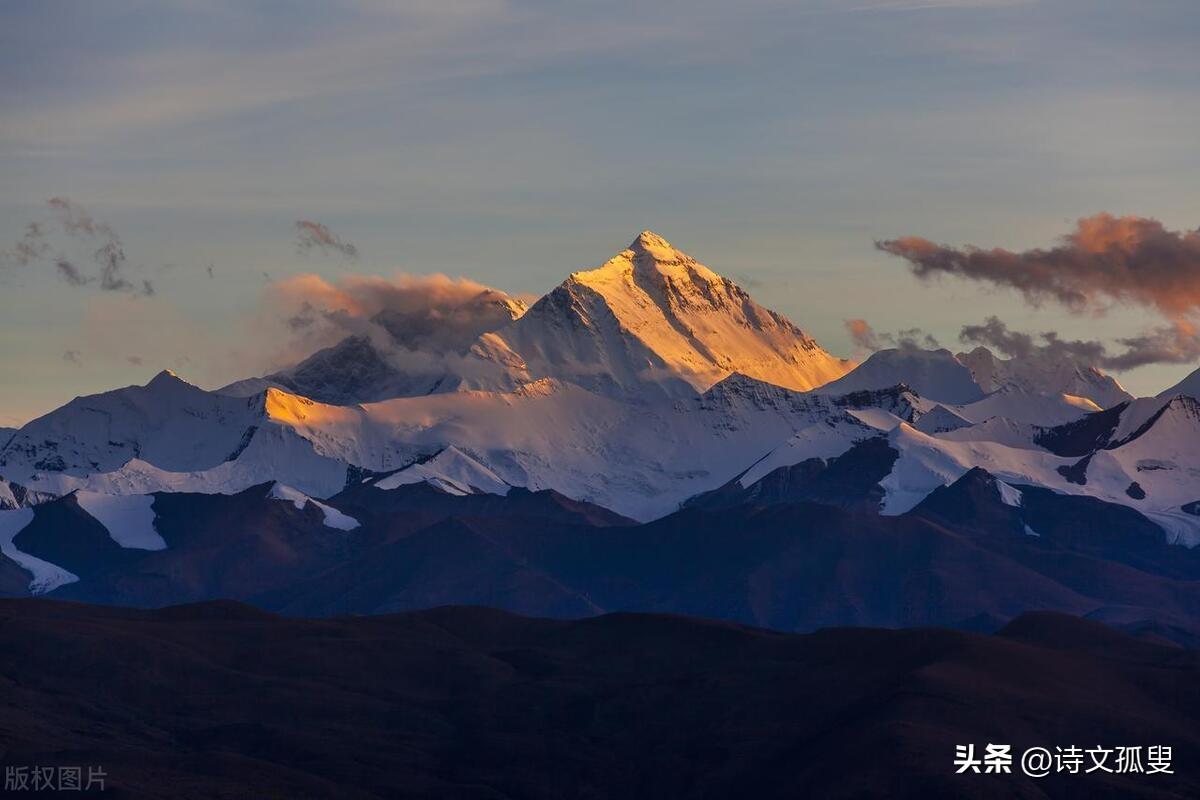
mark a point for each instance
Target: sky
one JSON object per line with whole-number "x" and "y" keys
{"x": 515, "y": 142}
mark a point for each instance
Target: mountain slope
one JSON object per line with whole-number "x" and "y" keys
{"x": 1045, "y": 375}
{"x": 1189, "y": 386}
{"x": 652, "y": 317}
{"x": 638, "y": 457}
{"x": 167, "y": 422}
{"x": 935, "y": 374}
{"x": 967, "y": 378}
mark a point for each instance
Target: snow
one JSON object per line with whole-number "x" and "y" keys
{"x": 934, "y": 374}
{"x": 970, "y": 378}
{"x": 1019, "y": 405}
{"x": 996, "y": 429}
{"x": 1164, "y": 460}
{"x": 167, "y": 422}
{"x": 1009, "y": 495}
{"x": 7, "y": 499}
{"x": 129, "y": 519}
{"x": 452, "y": 471}
{"x": 332, "y": 517}
{"x": 877, "y": 418}
{"x": 654, "y": 319}
{"x": 46, "y": 576}
{"x": 1137, "y": 414}
{"x": 1044, "y": 375}
{"x": 927, "y": 462}
{"x": 940, "y": 420}
{"x": 821, "y": 440}
{"x": 1189, "y": 386}
{"x": 249, "y": 387}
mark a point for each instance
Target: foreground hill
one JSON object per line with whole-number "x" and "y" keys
{"x": 220, "y": 700}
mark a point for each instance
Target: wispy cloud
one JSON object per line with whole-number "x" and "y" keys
{"x": 316, "y": 236}
{"x": 1168, "y": 344}
{"x": 865, "y": 337}
{"x": 76, "y": 223}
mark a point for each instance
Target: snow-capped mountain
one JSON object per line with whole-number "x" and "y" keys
{"x": 653, "y": 317}
{"x": 937, "y": 374}
{"x": 167, "y": 422}
{"x": 636, "y": 387}
{"x": 1026, "y": 389}
{"x": 649, "y": 320}
{"x": 639, "y": 457}
{"x": 1189, "y": 386}
{"x": 167, "y": 435}
{"x": 1144, "y": 454}
{"x": 1043, "y": 375}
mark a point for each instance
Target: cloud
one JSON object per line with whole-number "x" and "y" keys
{"x": 75, "y": 223}
{"x": 32, "y": 246}
{"x": 1169, "y": 344}
{"x": 70, "y": 273}
{"x": 1105, "y": 260}
{"x": 1177, "y": 343}
{"x": 109, "y": 255}
{"x": 865, "y": 337}
{"x": 315, "y": 236}
{"x": 76, "y": 220}
{"x": 419, "y": 323}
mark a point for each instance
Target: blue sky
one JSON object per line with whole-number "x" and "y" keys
{"x": 515, "y": 142}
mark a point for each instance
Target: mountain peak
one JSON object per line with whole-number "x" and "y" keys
{"x": 1044, "y": 374}
{"x": 164, "y": 379}
{"x": 651, "y": 244}
{"x": 652, "y": 317}
{"x": 650, "y": 265}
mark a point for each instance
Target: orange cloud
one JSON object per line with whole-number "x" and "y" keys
{"x": 1106, "y": 259}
